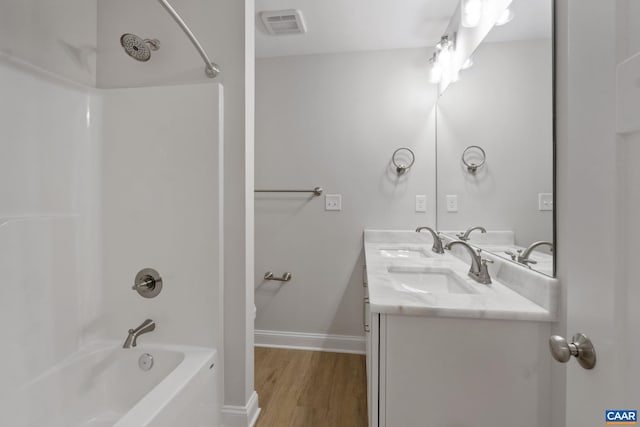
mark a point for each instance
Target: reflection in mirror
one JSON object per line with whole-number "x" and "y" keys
{"x": 503, "y": 105}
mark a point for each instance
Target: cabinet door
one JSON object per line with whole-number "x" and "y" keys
{"x": 465, "y": 373}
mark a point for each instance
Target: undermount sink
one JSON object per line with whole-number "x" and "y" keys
{"x": 423, "y": 280}
{"x": 404, "y": 253}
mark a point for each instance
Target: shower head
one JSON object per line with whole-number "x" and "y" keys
{"x": 137, "y": 47}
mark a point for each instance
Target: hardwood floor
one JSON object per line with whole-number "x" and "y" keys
{"x": 310, "y": 389}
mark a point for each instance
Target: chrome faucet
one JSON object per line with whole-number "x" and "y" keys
{"x": 479, "y": 270}
{"x": 465, "y": 236}
{"x": 146, "y": 326}
{"x": 523, "y": 256}
{"x": 437, "y": 241}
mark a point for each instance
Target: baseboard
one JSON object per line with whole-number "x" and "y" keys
{"x": 305, "y": 341}
{"x": 241, "y": 416}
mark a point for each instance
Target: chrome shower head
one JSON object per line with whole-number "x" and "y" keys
{"x": 137, "y": 47}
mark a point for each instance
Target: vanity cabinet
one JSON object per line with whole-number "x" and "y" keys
{"x": 427, "y": 371}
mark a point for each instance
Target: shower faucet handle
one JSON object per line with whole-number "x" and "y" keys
{"x": 147, "y": 283}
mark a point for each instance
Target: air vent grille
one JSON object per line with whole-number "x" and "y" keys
{"x": 283, "y": 22}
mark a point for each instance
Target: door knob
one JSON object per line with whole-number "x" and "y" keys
{"x": 580, "y": 347}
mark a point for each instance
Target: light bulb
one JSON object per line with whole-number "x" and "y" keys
{"x": 445, "y": 56}
{"x": 435, "y": 74}
{"x": 505, "y": 17}
{"x": 471, "y": 13}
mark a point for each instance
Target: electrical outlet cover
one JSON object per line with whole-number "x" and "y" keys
{"x": 452, "y": 203}
{"x": 333, "y": 202}
{"x": 545, "y": 201}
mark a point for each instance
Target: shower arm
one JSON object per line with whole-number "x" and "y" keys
{"x": 211, "y": 69}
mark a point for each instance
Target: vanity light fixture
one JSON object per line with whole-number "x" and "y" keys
{"x": 442, "y": 62}
{"x": 505, "y": 17}
{"x": 470, "y": 24}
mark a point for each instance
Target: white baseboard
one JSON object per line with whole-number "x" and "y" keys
{"x": 241, "y": 416}
{"x": 304, "y": 341}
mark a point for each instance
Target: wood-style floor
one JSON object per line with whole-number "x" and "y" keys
{"x": 300, "y": 388}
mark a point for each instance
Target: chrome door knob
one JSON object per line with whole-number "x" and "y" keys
{"x": 580, "y": 347}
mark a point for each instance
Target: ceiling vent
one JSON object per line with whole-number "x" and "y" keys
{"x": 283, "y": 22}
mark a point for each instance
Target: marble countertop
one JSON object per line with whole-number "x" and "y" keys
{"x": 516, "y": 292}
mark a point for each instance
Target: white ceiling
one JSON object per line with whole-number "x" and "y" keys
{"x": 360, "y": 25}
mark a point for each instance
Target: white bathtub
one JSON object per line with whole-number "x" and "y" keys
{"x": 103, "y": 386}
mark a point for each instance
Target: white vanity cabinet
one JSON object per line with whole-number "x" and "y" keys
{"x": 446, "y": 351}
{"x": 441, "y": 372}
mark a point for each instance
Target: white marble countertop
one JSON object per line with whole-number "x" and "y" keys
{"x": 515, "y": 293}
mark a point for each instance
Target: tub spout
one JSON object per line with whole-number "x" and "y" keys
{"x": 146, "y": 326}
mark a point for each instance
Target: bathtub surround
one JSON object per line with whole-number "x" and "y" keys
{"x": 328, "y": 120}
{"x": 49, "y": 177}
{"x": 77, "y": 176}
{"x": 63, "y": 166}
{"x": 161, "y": 209}
{"x": 225, "y": 29}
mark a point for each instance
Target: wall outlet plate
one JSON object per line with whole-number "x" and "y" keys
{"x": 545, "y": 201}
{"x": 452, "y": 203}
{"x": 421, "y": 203}
{"x": 333, "y": 202}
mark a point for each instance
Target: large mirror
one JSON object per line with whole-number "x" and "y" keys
{"x": 495, "y": 141}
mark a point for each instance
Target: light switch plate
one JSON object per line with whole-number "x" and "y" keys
{"x": 421, "y": 203}
{"x": 452, "y": 203}
{"x": 545, "y": 201}
{"x": 333, "y": 202}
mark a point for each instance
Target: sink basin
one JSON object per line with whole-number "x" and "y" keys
{"x": 424, "y": 280}
{"x": 403, "y": 253}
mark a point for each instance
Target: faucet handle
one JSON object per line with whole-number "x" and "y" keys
{"x": 487, "y": 261}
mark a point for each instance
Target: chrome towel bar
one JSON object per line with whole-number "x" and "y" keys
{"x": 316, "y": 191}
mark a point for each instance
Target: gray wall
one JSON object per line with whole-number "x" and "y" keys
{"x": 59, "y": 37}
{"x": 503, "y": 104}
{"x": 334, "y": 121}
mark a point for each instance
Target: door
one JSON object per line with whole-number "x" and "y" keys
{"x": 598, "y": 207}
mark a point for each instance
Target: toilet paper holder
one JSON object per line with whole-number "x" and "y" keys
{"x": 285, "y": 277}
